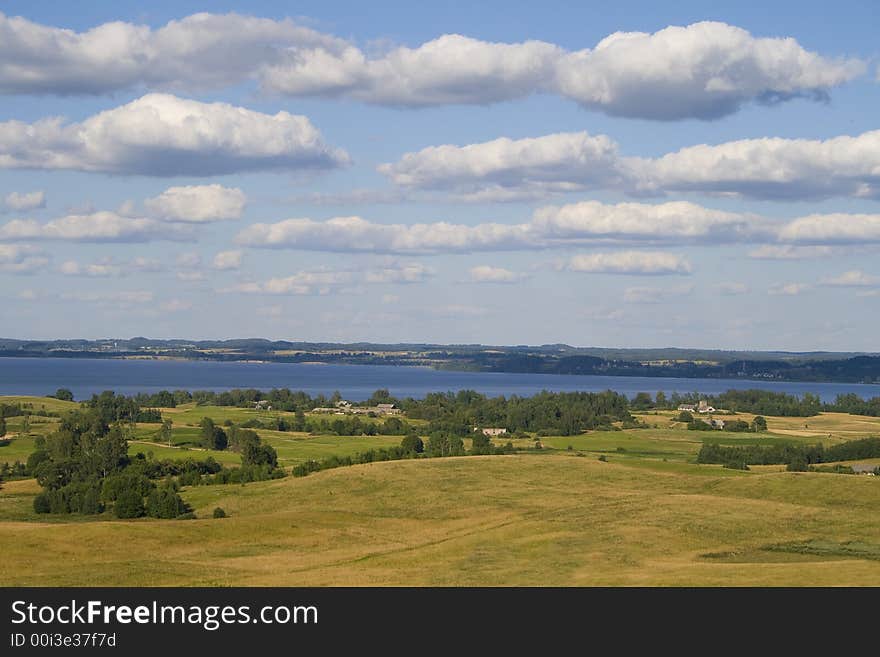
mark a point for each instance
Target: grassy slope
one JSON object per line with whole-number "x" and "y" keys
{"x": 531, "y": 520}
{"x": 647, "y": 516}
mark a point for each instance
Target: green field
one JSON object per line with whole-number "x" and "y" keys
{"x": 647, "y": 515}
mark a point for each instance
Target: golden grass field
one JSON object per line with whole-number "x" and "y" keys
{"x": 647, "y": 516}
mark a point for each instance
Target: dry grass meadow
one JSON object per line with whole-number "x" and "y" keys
{"x": 647, "y": 515}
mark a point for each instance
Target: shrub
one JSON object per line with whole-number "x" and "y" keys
{"x": 219, "y": 513}
{"x": 118, "y": 483}
{"x": 797, "y": 464}
{"x": 165, "y": 503}
{"x": 129, "y": 504}
{"x": 91, "y": 502}
{"x": 41, "y": 503}
{"x": 412, "y": 443}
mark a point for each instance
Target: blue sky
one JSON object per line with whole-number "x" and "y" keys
{"x": 453, "y": 172}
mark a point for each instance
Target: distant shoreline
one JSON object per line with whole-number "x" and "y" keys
{"x": 616, "y": 370}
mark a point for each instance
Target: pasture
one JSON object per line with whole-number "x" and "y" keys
{"x": 645, "y": 515}
{"x": 503, "y": 520}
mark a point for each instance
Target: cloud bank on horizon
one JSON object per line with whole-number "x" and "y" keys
{"x": 185, "y": 169}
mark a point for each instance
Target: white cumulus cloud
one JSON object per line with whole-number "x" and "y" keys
{"x": 564, "y": 161}
{"x": 412, "y": 272}
{"x": 163, "y": 135}
{"x": 647, "y": 263}
{"x": 789, "y": 289}
{"x": 95, "y": 227}
{"x": 197, "y": 203}
{"x": 852, "y": 278}
{"x": 490, "y": 274}
{"x": 198, "y": 51}
{"x": 96, "y": 269}
{"x": 704, "y": 70}
{"x": 763, "y": 168}
{"x": 355, "y": 234}
{"x": 110, "y": 267}
{"x": 676, "y": 221}
{"x": 227, "y": 260}
{"x": 830, "y": 229}
{"x": 23, "y": 201}
{"x": 451, "y": 69}
{"x": 327, "y": 281}
{"x": 575, "y": 224}
{"x": 21, "y": 259}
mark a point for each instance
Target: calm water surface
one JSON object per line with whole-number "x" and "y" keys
{"x": 41, "y": 376}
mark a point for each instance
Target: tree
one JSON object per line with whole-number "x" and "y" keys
{"x": 219, "y": 513}
{"x": 481, "y": 444}
{"x": 412, "y": 443}
{"x": 642, "y": 401}
{"x": 165, "y": 432}
{"x": 213, "y": 437}
{"x": 258, "y": 454}
{"x": 661, "y": 400}
{"x": 129, "y": 504}
{"x": 220, "y": 441}
{"x": 207, "y": 431}
{"x": 25, "y": 430}
{"x": 165, "y": 503}
{"x": 299, "y": 421}
{"x": 91, "y": 502}
{"x": 106, "y": 453}
{"x": 2, "y": 426}
{"x": 64, "y": 394}
{"x": 685, "y": 416}
{"x": 381, "y": 396}
{"x": 759, "y": 423}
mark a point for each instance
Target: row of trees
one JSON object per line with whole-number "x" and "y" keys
{"x": 412, "y": 446}
{"x": 799, "y": 457}
{"x": 566, "y": 413}
{"x": 763, "y": 402}
{"x": 347, "y": 425}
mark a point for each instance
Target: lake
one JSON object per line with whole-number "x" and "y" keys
{"x": 85, "y": 377}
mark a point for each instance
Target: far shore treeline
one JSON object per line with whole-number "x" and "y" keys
{"x": 487, "y": 410}
{"x": 544, "y": 359}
